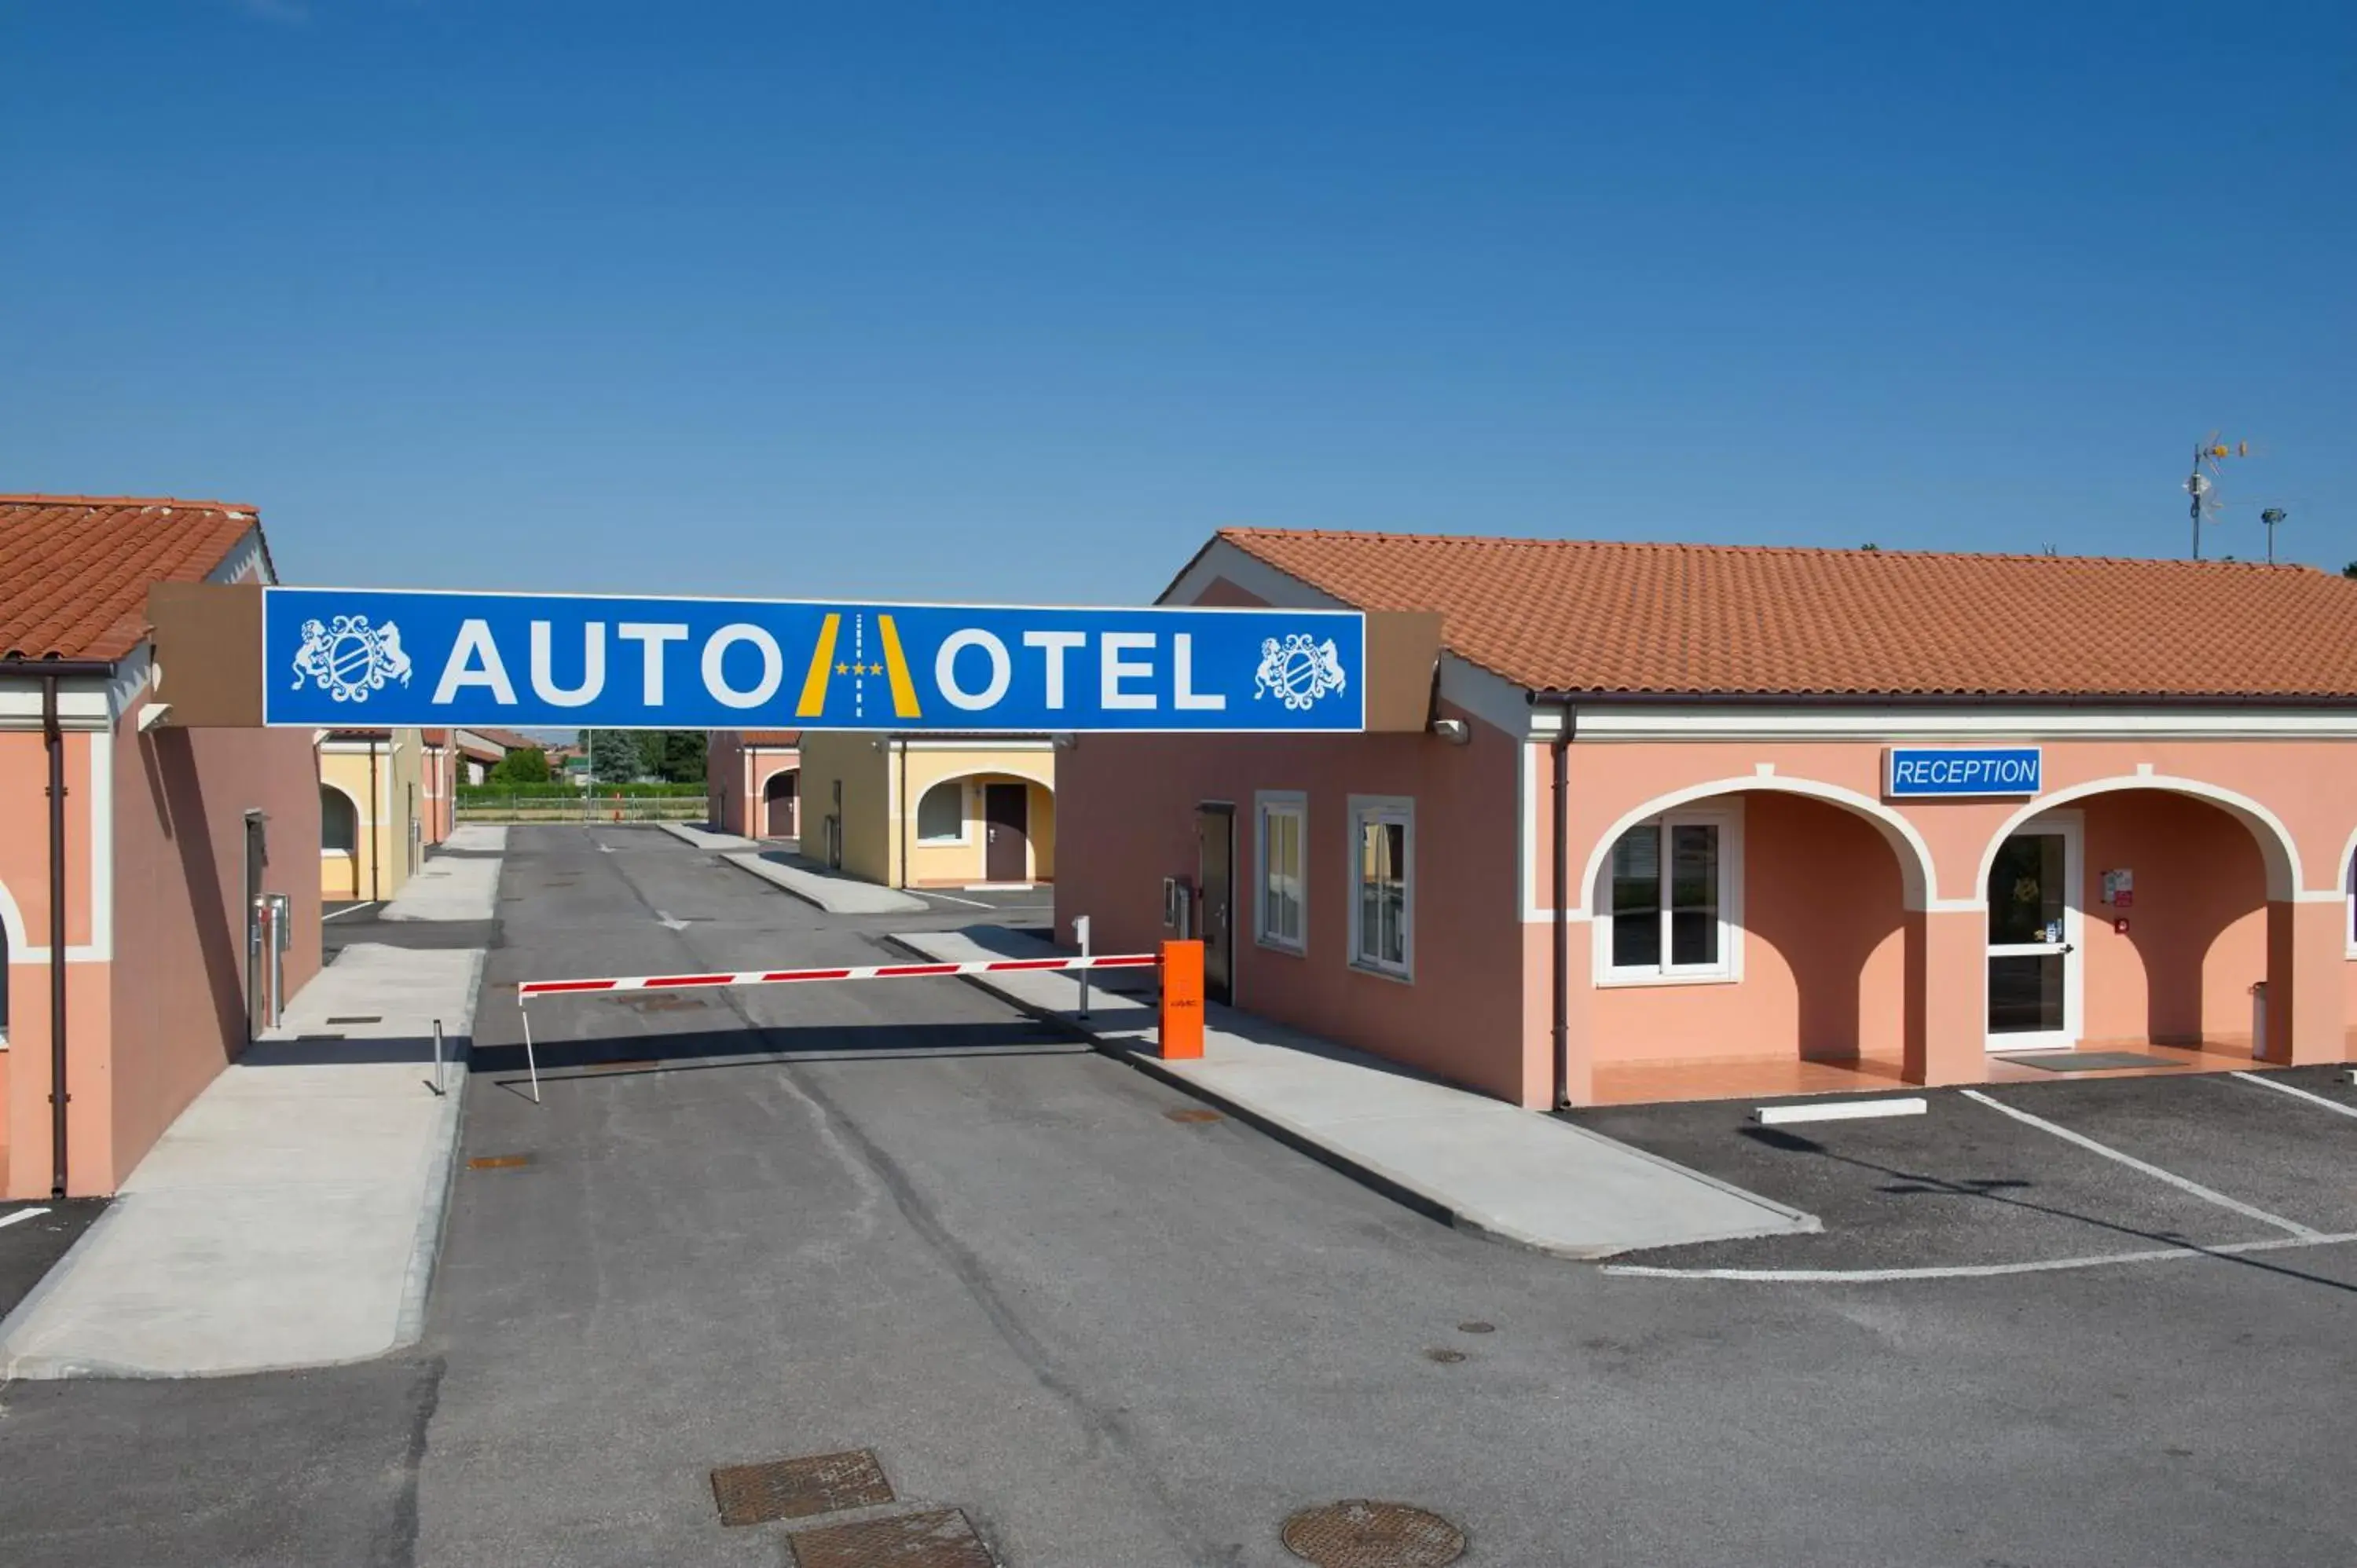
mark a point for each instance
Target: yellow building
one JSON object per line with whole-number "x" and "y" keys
{"x": 372, "y": 812}
{"x": 931, "y": 810}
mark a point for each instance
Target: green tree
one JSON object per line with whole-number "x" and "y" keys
{"x": 2349, "y": 570}
{"x": 528, "y": 765}
{"x": 682, "y": 758}
{"x": 614, "y": 755}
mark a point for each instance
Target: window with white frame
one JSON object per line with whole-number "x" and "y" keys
{"x": 1284, "y": 867}
{"x": 1669, "y": 897}
{"x": 941, "y": 813}
{"x": 1383, "y": 867}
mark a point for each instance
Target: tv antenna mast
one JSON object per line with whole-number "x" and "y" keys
{"x": 2272, "y": 516}
{"x": 2209, "y": 459}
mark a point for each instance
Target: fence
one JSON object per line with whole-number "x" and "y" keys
{"x": 479, "y": 805}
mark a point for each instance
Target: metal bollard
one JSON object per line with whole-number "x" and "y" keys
{"x": 438, "y": 1057}
{"x": 1080, "y": 928}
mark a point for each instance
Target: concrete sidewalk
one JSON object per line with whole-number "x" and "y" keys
{"x": 702, "y": 837}
{"x": 459, "y": 883}
{"x": 830, "y": 890}
{"x": 291, "y": 1216}
{"x": 1478, "y": 1162}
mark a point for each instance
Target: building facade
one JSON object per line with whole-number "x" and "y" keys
{"x": 753, "y": 782}
{"x": 384, "y": 797}
{"x": 168, "y": 837}
{"x": 932, "y": 811}
{"x": 1814, "y": 826}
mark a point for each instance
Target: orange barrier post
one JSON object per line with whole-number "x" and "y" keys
{"x": 1182, "y": 1001}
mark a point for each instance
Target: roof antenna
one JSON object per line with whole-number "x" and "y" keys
{"x": 2202, "y": 487}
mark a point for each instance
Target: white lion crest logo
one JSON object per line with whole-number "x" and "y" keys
{"x": 1299, "y": 671}
{"x": 347, "y": 658}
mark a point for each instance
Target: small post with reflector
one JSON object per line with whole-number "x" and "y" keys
{"x": 1182, "y": 1001}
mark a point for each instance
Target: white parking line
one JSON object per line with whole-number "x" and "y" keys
{"x": 2208, "y": 1193}
{"x": 8, "y": 1219}
{"x": 2287, "y": 1088}
{"x": 353, "y": 910}
{"x": 1973, "y": 1271}
{"x": 970, "y": 903}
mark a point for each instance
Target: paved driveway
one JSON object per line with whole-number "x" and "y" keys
{"x": 906, "y": 1220}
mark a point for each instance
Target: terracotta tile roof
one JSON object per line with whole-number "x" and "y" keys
{"x": 771, "y": 736}
{"x": 74, "y": 570}
{"x": 1597, "y": 616}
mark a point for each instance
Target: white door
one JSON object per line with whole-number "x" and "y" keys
{"x": 2033, "y": 938}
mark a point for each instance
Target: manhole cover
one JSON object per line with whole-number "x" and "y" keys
{"x": 1446, "y": 1357}
{"x": 797, "y": 1489}
{"x": 1477, "y": 1329}
{"x": 1363, "y": 1534}
{"x": 939, "y": 1540}
{"x": 1192, "y": 1115}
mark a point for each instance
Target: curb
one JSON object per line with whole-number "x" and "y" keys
{"x": 752, "y": 863}
{"x": 1455, "y": 1215}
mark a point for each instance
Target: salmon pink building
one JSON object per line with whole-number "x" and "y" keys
{"x": 753, "y": 782}
{"x": 1695, "y": 820}
{"x": 132, "y": 852}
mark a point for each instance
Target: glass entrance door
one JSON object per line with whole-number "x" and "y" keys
{"x": 2033, "y": 941}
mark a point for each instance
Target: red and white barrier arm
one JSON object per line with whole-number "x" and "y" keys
{"x": 527, "y": 990}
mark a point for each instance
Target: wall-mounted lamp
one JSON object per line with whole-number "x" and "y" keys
{"x": 153, "y": 713}
{"x": 1456, "y": 732}
{"x": 1064, "y": 742}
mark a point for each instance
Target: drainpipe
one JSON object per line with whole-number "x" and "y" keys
{"x": 1567, "y": 723}
{"x": 376, "y": 848}
{"x": 903, "y": 744}
{"x": 53, "y": 736}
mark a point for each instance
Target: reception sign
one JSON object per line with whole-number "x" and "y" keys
{"x": 376, "y": 657}
{"x": 1959, "y": 771}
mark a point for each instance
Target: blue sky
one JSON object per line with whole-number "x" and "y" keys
{"x": 1016, "y": 301}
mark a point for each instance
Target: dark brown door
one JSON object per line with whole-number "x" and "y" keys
{"x": 778, "y": 797}
{"x": 257, "y": 952}
{"x": 1006, "y": 832}
{"x": 1215, "y": 837}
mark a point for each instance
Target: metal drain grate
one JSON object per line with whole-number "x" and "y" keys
{"x": 360, "y": 1018}
{"x": 1365, "y": 1535}
{"x": 1192, "y": 1115}
{"x": 939, "y": 1540}
{"x": 498, "y": 1162}
{"x": 797, "y": 1489}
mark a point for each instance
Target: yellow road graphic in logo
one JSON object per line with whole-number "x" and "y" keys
{"x": 823, "y": 668}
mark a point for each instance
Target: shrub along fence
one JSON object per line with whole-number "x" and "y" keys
{"x": 568, "y": 803}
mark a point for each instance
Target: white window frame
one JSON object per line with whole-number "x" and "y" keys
{"x": 2349, "y": 897}
{"x": 1728, "y": 967}
{"x": 964, "y": 787}
{"x": 1364, "y": 810}
{"x": 1293, "y": 804}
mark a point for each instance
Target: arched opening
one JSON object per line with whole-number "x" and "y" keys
{"x": 781, "y": 804}
{"x": 2131, "y": 915}
{"x": 339, "y": 839}
{"x": 988, "y": 827}
{"x": 1755, "y": 939}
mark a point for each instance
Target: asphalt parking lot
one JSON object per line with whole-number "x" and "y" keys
{"x": 2028, "y": 1177}
{"x": 34, "y": 1236}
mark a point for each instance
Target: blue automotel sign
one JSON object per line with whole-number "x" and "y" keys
{"x": 1952, "y": 771}
{"x": 335, "y": 656}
